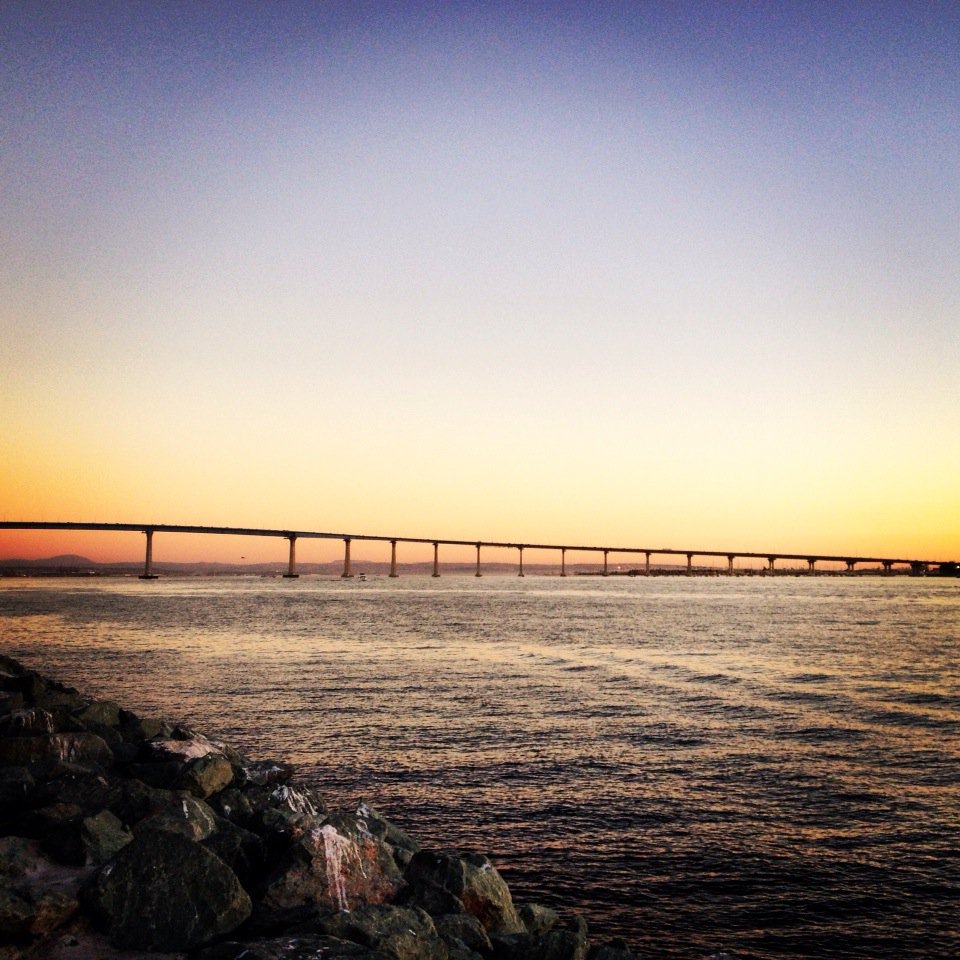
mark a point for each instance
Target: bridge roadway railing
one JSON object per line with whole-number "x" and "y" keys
{"x": 149, "y": 529}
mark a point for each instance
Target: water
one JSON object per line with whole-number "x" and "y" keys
{"x": 764, "y": 766}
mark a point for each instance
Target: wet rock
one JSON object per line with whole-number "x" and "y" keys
{"x": 16, "y": 914}
{"x": 72, "y": 747}
{"x": 470, "y": 880}
{"x": 164, "y": 892}
{"x": 103, "y": 836}
{"x": 162, "y": 774}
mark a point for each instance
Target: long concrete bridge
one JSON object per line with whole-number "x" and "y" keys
{"x": 917, "y": 566}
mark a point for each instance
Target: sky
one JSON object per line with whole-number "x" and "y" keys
{"x": 652, "y": 274}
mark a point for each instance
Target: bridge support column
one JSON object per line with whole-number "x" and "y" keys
{"x": 148, "y": 573}
{"x": 689, "y": 564}
{"x": 436, "y": 558}
{"x": 646, "y": 566}
{"x": 563, "y": 561}
{"x": 347, "y": 572}
{"x": 291, "y": 573}
{"x": 730, "y": 559}
{"x": 520, "y": 574}
{"x": 887, "y": 567}
{"x": 771, "y": 563}
{"x": 393, "y": 558}
{"x": 811, "y": 567}
{"x": 850, "y": 565}
{"x": 605, "y": 554}
{"x": 478, "y": 573}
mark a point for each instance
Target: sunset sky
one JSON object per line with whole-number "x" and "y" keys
{"x": 671, "y": 274}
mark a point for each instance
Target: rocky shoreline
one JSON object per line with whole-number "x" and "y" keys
{"x": 123, "y": 837}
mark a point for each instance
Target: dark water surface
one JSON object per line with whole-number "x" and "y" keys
{"x": 764, "y": 766}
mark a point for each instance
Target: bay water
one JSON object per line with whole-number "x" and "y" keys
{"x": 765, "y": 767}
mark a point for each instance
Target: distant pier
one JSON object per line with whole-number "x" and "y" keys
{"x": 770, "y": 559}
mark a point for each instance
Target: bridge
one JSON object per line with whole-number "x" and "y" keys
{"x": 917, "y": 566}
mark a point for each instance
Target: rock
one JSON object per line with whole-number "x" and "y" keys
{"x": 186, "y": 816}
{"x": 190, "y": 746}
{"x": 397, "y": 932}
{"x": 470, "y": 880}
{"x": 537, "y": 919}
{"x": 241, "y": 850}
{"x": 100, "y": 713}
{"x": 16, "y": 914}
{"x": 57, "y": 827}
{"x": 206, "y": 775}
{"x": 404, "y": 846}
{"x": 306, "y": 947}
{"x": 164, "y": 892}
{"x": 28, "y": 721}
{"x": 336, "y": 864}
{"x": 36, "y": 897}
{"x": 88, "y": 786}
{"x": 73, "y": 747}
{"x": 463, "y": 930}
{"x": 262, "y": 773}
{"x": 136, "y": 800}
{"x": 558, "y": 944}
{"x": 103, "y": 836}
{"x": 16, "y": 786}
{"x": 615, "y": 950}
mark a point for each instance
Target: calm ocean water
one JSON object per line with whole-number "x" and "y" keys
{"x": 768, "y": 767}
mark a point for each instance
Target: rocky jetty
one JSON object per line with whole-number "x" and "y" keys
{"x": 125, "y": 837}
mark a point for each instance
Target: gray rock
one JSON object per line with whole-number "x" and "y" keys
{"x": 463, "y": 929}
{"x": 615, "y": 950}
{"x": 103, "y": 836}
{"x": 100, "y": 713}
{"x": 263, "y": 773}
{"x": 538, "y": 919}
{"x": 164, "y": 892}
{"x": 185, "y": 816}
{"x": 397, "y": 931}
{"x": 206, "y": 775}
{"x": 471, "y": 880}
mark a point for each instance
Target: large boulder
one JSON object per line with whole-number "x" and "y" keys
{"x": 164, "y": 892}
{"x": 336, "y": 863}
{"x": 440, "y": 881}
